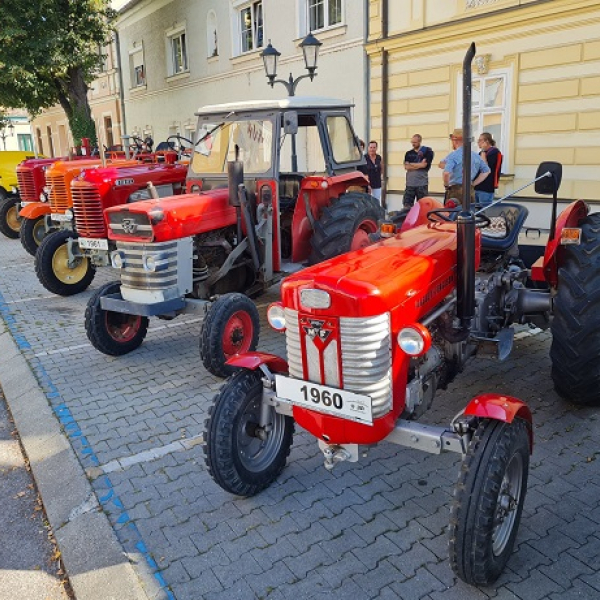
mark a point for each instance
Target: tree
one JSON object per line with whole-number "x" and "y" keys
{"x": 49, "y": 53}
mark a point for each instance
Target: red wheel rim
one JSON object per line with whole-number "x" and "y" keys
{"x": 361, "y": 235}
{"x": 122, "y": 328}
{"x": 237, "y": 335}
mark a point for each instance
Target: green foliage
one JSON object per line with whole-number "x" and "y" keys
{"x": 49, "y": 52}
{"x": 82, "y": 126}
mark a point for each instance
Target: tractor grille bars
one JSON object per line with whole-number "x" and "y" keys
{"x": 87, "y": 207}
{"x": 366, "y": 356}
{"x": 59, "y": 198}
{"x": 26, "y": 185}
{"x": 151, "y": 267}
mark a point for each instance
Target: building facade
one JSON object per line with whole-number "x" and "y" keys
{"x": 536, "y": 84}
{"x": 178, "y": 55}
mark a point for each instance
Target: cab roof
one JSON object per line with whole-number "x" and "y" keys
{"x": 290, "y": 103}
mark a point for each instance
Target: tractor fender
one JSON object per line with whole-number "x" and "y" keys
{"x": 417, "y": 215}
{"x": 501, "y": 408}
{"x": 256, "y": 360}
{"x": 35, "y": 210}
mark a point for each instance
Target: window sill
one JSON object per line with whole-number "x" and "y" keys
{"x": 178, "y": 76}
{"x": 507, "y": 177}
{"x": 212, "y": 58}
{"x": 246, "y": 57}
{"x": 138, "y": 89}
{"x": 327, "y": 32}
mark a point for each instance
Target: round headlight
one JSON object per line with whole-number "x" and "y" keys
{"x": 195, "y": 189}
{"x": 117, "y": 259}
{"x": 414, "y": 340}
{"x": 276, "y": 316}
{"x": 14, "y": 190}
{"x": 69, "y": 214}
{"x": 149, "y": 263}
{"x": 43, "y": 197}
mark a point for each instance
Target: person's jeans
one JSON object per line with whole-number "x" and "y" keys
{"x": 376, "y": 193}
{"x": 484, "y": 198}
{"x": 412, "y": 193}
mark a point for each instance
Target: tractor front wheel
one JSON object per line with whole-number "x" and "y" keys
{"x": 575, "y": 350}
{"x": 231, "y": 327}
{"x": 111, "y": 332}
{"x": 33, "y": 231}
{"x": 54, "y": 270}
{"x": 488, "y": 500}
{"x": 9, "y": 217}
{"x": 345, "y": 225}
{"x": 242, "y": 456}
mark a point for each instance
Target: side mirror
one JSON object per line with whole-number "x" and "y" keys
{"x": 548, "y": 185}
{"x": 235, "y": 177}
{"x": 290, "y": 122}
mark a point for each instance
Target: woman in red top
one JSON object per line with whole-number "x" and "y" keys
{"x": 484, "y": 192}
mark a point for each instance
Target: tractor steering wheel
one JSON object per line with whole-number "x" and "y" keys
{"x": 449, "y": 215}
{"x": 139, "y": 143}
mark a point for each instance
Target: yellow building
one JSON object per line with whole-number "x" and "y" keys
{"x": 536, "y": 84}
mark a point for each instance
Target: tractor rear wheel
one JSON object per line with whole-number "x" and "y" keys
{"x": 53, "y": 269}
{"x": 575, "y": 350}
{"x": 345, "y": 225}
{"x": 33, "y": 231}
{"x": 9, "y": 217}
{"x": 231, "y": 327}
{"x": 488, "y": 500}
{"x": 110, "y": 332}
{"x": 243, "y": 457}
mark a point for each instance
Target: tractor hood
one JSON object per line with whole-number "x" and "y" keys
{"x": 171, "y": 218}
{"x": 415, "y": 269}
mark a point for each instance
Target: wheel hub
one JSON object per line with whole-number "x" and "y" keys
{"x": 506, "y": 505}
{"x": 66, "y": 271}
{"x": 12, "y": 218}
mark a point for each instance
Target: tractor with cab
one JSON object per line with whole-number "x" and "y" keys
{"x": 372, "y": 334}
{"x": 271, "y": 185}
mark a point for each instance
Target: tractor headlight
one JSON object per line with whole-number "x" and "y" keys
{"x": 276, "y": 316}
{"x": 43, "y": 197}
{"x": 117, "y": 259}
{"x": 14, "y": 190}
{"x": 414, "y": 340}
{"x": 69, "y": 214}
{"x": 149, "y": 262}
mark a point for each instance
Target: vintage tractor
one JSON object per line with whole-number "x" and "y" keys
{"x": 372, "y": 334}
{"x": 66, "y": 260}
{"x": 250, "y": 210}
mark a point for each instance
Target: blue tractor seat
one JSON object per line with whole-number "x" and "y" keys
{"x": 507, "y": 221}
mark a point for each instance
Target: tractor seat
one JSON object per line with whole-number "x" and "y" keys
{"x": 506, "y": 222}
{"x": 289, "y": 189}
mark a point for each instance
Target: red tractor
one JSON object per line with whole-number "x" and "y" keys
{"x": 297, "y": 197}
{"x": 371, "y": 335}
{"x": 66, "y": 260}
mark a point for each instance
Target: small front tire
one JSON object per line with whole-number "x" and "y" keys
{"x": 9, "y": 217}
{"x": 488, "y": 500}
{"x": 242, "y": 457}
{"x": 231, "y": 327}
{"x": 110, "y": 332}
{"x": 32, "y": 233}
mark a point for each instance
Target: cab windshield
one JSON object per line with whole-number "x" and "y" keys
{"x": 250, "y": 140}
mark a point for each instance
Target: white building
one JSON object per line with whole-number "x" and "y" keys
{"x": 178, "y": 55}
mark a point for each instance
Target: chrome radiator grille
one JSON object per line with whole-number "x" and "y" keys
{"x": 366, "y": 357}
{"x": 135, "y": 275}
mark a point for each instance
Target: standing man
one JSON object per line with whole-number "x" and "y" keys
{"x": 484, "y": 192}
{"x": 417, "y": 163}
{"x": 374, "y": 170}
{"x": 453, "y": 168}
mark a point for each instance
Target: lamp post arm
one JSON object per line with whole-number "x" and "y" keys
{"x": 291, "y": 84}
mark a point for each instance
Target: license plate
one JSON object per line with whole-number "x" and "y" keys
{"x": 60, "y": 217}
{"x": 93, "y": 243}
{"x": 325, "y": 399}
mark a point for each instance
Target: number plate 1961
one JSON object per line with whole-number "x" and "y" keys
{"x": 93, "y": 243}
{"x": 321, "y": 398}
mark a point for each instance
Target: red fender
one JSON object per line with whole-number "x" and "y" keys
{"x": 501, "y": 408}
{"x": 254, "y": 360}
{"x": 35, "y": 210}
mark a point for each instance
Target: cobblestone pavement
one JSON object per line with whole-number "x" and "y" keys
{"x": 376, "y": 529}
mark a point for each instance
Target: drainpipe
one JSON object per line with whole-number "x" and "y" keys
{"x": 367, "y": 77}
{"x": 384, "y": 94}
{"x": 121, "y": 89}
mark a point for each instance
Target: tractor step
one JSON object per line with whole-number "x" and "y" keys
{"x": 498, "y": 347}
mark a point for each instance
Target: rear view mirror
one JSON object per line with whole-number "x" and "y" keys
{"x": 548, "y": 185}
{"x": 290, "y": 122}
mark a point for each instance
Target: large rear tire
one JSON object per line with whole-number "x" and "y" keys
{"x": 9, "y": 217}
{"x": 32, "y": 233}
{"x": 53, "y": 269}
{"x": 488, "y": 500}
{"x": 231, "y": 327}
{"x": 110, "y": 332}
{"x": 575, "y": 350}
{"x": 242, "y": 457}
{"x": 345, "y": 225}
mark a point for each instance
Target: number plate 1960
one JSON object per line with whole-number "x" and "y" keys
{"x": 340, "y": 403}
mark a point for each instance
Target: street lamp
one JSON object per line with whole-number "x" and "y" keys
{"x": 310, "y": 48}
{"x": 6, "y": 123}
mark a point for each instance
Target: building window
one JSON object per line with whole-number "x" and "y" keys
{"x": 25, "y": 142}
{"x": 109, "y": 139}
{"x": 212, "y": 45}
{"x": 324, "y": 13}
{"x": 136, "y": 67}
{"x": 178, "y": 52}
{"x": 50, "y": 141}
{"x": 251, "y": 26}
{"x": 40, "y": 143}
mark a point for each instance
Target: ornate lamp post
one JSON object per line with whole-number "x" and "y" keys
{"x": 6, "y": 123}
{"x": 310, "y": 48}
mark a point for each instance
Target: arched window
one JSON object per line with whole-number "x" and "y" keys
{"x": 212, "y": 42}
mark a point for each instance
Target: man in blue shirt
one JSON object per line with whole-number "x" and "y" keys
{"x": 453, "y": 164}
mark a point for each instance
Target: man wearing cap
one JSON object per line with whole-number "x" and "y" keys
{"x": 453, "y": 168}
